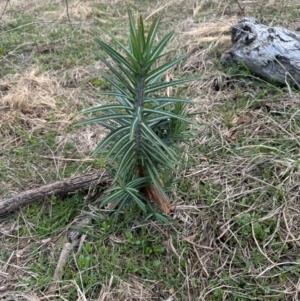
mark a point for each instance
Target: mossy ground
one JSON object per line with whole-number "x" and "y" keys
{"x": 235, "y": 232}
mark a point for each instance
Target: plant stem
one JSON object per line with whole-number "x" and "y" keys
{"x": 138, "y": 111}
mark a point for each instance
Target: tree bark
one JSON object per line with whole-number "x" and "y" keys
{"x": 272, "y": 53}
{"x": 49, "y": 190}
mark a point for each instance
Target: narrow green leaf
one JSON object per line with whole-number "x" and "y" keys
{"x": 127, "y": 161}
{"x": 162, "y": 107}
{"x": 136, "y": 51}
{"x": 158, "y": 140}
{"x": 137, "y": 200}
{"x": 152, "y": 61}
{"x": 119, "y": 145}
{"x": 163, "y": 85}
{"x": 114, "y": 188}
{"x": 170, "y": 115}
{"x": 161, "y": 45}
{"x": 112, "y": 82}
{"x": 120, "y": 61}
{"x": 111, "y": 136}
{"x": 115, "y": 55}
{"x": 108, "y": 126}
{"x": 151, "y": 37}
{"x": 107, "y": 107}
{"x": 116, "y": 73}
{"x": 162, "y": 69}
{"x": 120, "y": 98}
{"x": 157, "y": 216}
{"x": 152, "y": 172}
{"x": 156, "y": 121}
{"x": 141, "y": 35}
{"x": 138, "y": 183}
{"x": 167, "y": 106}
{"x": 116, "y": 94}
{"x": 133, "y": 127}
{"x": 111, "y": 111}
{"x": 114, "y": 117}
{"x": 122, "y": 202}
{"x": 129, "y": 55}
{"x": 128, "y": 165}
{"x": 128, "y": 74}
{"x": 155, "y": 154}
{"x": 112, "y": 197}
{"x": 119, "y": 148}
{"x": 132, "y": 189}
{"x": 167, "y": 100}
{"x": 131, "y": 24}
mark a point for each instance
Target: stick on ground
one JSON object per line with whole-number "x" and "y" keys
{"x": 64, "y": 186}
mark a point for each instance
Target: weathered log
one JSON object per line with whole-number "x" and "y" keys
{"x": 272, "y": 53}
{"x": 50, "y": 190}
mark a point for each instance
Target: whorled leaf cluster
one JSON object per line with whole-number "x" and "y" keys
{"x": 143, "y": 123}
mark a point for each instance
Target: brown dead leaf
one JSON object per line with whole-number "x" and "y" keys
{"x": 238, "y": 120}
{"x": 244, "y": 118}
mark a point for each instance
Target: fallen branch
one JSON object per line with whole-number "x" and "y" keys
{"x": 60, "y": 187}
{"x": 269, "y": 52}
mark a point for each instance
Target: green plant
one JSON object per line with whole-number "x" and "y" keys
{"x": 143, "y": 123}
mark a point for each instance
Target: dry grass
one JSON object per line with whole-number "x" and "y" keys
{"x": 29, "y": 102}
{"x": 236, "y": 225}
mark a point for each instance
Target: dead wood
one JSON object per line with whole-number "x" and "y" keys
{"x": 60, "y": 187}
{"x": 272, "y": 53}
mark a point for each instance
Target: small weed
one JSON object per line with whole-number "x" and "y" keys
{"x": 53, "y": 217}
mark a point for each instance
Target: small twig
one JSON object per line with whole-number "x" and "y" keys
{"x": 3, "y": 272}
{"x": 65, "y": 252}
{"x": 242, "y": 9}
{"x": 197, "y": 245}
{"x": 67, "y": 159}
{"x": 39, "y": 23}
{"x": 63, "y": 258}
{"x": 277, "y": 265}
{"x": 67, "y": 6}
{"x": 4, "y": 9}
{"x": 259, "y": 248}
